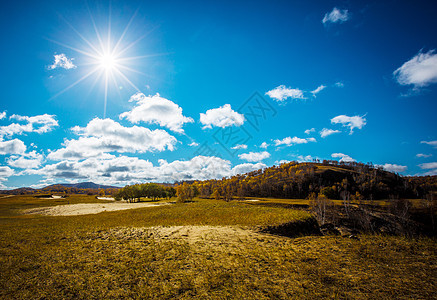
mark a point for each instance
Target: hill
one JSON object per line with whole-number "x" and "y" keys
{"x": 333, "y": 179}
{"x": 82, "y": 185}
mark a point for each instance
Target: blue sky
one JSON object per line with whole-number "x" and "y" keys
{"x": 132, "y": 91}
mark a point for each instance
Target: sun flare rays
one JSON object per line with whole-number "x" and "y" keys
{"x": 105, "y": 58}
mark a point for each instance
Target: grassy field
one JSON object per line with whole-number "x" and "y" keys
{"x": 205, "y": 249}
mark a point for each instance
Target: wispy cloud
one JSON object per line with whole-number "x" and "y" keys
{"x": 336, "y": 16}
{"x": 326, "y": 132}
{"x": 282, "y": 93}
{"x": 318, "y": 90}
{"x": 431, "y": 143}
{"x": 289, "y": 141}
{"x": 242, "y": 146}
{"x": 308, "y": 131}
{"x": 351, "y": 122}
{"x": 423, "y": 155}
{"x": 223, "y": 116}
{"x": 432, "y": 167}
{"x": 339, "y": 84}
{"x": 254, "y": 156}
{"x": 419, "y": 71}
{"x": 62, "y": 61}
{"x": 156, "y": 110}
{"x": 393, "y": 168}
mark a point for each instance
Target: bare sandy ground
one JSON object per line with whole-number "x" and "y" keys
{"x": 86, "y": 208}
{"x": 190, "y": 233}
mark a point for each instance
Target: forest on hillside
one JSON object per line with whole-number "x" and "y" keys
{"x": 333, "y": 179}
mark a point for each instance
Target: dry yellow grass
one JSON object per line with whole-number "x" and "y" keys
{"x": 201, "y": 250}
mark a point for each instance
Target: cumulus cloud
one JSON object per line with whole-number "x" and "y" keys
{"x": 326, "y": 132}
{"x": 254, "y": 156}
{"x": 308, "y": 131}
{"x": 124, "y": 170}
{"x": 222, "y": 117}
{"x": 156, "y": 110}
{"x": 62, "y": 61}
{"x": 193, "y": 144}
{"x": 431, "y": 143}
{"x": 282, "y": 93}
{"x": 242, "y": 146}
{"x": 343, "y": 157}
{"x": 432, "y": 167}
{"x": 336, "y": 16}
{"x": 289, "y": 141}
{"x": 419, "y": 71}
{"x": 5, "y": 173}
{"x": 423, "y": 155}
{"x": 2, "y": 115}
{"x": 318, "y": 90}
{"x": 39, "y": 124}
{"x": 14, "y": 146}
{"x": 105, "y": 136}
{"x": 393, "y": 168}
{"x": 302, "y": 158}
{"x": 264, "y": 145}
{"x": 31, "y": 160}
{"x": 351, "y": 122}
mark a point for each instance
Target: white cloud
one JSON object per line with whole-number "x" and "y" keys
{"x": 432, "y": 167}
{"x": 282, "y": 93}
{"x": 105, "y": 136}
{"x": 62, "y": 61}
{"x": 254, "y": 156}
{"x": 336, "y": 16}
{"x": 423, "y": 155}
{"x": 282, "y": 161}
{"x": 2, "y": 115}
{"x": 242, "y": 146}
{"x": 339, "y": 84}
{"x": 264, "y": 145}
{"x": 193, "y": 144}
{"x": 343, "y": 157}
{"x": 289, "y": 141}
{"x": 5, "y": 172}
{"x": 351, "y": 122}
{"x": 326, "y": 132}
{"x": 431, "y": 143}
{"x": 14, "y": 146}
{"x": 318, "y": 90}
{"x": 156, "y": 110}
{"x": 302, "y": 158}
{"x": 420, "y": 71}
{"x": 39, "y": 124}
{"x": 393, "y": 168}
{"x": 31, "y": 160}
{"x": 123, "y": 170}
{"x": 222, "y": 117}
{"x": 308, "y": 131}
{"x": 247, "y": 167}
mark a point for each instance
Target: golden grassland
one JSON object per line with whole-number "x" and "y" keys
{"x": 204, "y": 249}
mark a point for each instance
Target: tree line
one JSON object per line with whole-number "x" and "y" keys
{"x": 152, "y": 191}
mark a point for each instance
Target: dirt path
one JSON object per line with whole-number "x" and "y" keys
{"x": 86, "y": 208}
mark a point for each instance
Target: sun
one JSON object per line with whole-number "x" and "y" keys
{"x": 106, "y": 59}
{"x": 107, "y": 62}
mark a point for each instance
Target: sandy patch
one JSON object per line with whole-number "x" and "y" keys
{"x": 106, "y": 198}
{"x": 191, "y": 234}
{"x": 253, "y": 200}
{"x": 86, "y": 208}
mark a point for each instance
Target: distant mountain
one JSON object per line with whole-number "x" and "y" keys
{"x": 82, "y": 185}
